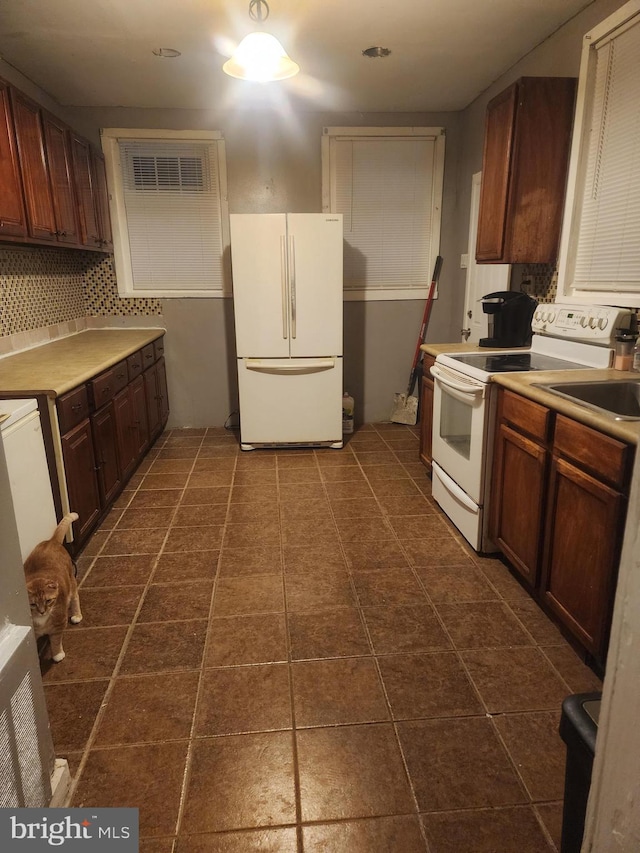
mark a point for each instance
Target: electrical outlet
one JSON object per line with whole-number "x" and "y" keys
{"x": 464, "y": 261}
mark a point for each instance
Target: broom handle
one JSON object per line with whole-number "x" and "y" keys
{"x": 425, "y": 323}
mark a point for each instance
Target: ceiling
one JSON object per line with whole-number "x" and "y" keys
{"x": 443, "y": 52}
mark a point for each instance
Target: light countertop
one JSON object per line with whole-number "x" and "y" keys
{"x": 524, "y": 383}
{"x": 57, "y": 367}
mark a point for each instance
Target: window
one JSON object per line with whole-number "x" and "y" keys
{"x": 387, "y": 184}
{"x": 600, "y": 249}
{"x": 169, "y": 212}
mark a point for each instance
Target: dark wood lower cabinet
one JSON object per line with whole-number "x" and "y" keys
{"x": 82, "y": 483}
{"x": 127, "y": 449}
{"x": 519, "y": 488}
{"x": 584, "y": 529}
{"x": 105, "y": 439}
{"x": 140, "y": 422}
{"x": 102, "y": 451}
{"x": 155, "y": 383}
{"x": 558, "y": 508}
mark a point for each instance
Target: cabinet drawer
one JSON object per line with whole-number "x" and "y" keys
{"x": 600, "y": 454}
{"x": 73, "y": 407}
{"x": 158, "y": 348}
{"x": 148, "y": 356}
{"x": 120, "y": 376}
{"x": 527, "y": 416}
{"x": 103, "y": 387}
{"x": 134, "y": 365}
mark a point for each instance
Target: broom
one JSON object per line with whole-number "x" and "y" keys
{"x": 405, "y": 406}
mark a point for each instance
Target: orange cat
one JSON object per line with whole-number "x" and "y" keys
{"x": 52, "y": 588}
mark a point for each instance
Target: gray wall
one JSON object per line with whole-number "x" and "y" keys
{"x": 274, "y": 165}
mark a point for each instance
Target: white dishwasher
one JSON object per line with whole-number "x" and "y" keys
{"x": 28, "y": 473}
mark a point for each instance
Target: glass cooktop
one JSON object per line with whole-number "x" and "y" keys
{"x": 516, "y": 361}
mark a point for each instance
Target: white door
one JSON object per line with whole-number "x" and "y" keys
{"x": 260, "y": 286}
{"x": 481, "y": 278}
{"x": 315, "y": 282}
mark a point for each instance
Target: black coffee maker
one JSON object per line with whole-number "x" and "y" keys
{"x": 510, "y": 313}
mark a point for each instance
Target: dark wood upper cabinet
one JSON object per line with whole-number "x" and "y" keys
{"x": 524, "y": 170}
{"x": 58, "y": 148}
{"x": 86, "y": 192}
{"x": 102, "y": 201}
{"x": 33, "y": 162}
{"x": 13, "y": 221}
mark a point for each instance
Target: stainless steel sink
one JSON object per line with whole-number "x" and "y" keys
{"x": 618, "y": 398}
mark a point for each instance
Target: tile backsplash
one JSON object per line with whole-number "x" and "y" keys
{"x": 56, "y": 291}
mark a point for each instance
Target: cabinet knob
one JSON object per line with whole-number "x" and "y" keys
{"x": 107, "y": 389}
{"x": 76, "y": 407}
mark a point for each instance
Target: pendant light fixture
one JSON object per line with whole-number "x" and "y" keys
{"x": 260, "y": 56}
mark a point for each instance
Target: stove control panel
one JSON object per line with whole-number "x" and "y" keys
{"x": 594, "y": 323}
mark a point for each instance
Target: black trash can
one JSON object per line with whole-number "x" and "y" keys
{"x": 578, "y": 729}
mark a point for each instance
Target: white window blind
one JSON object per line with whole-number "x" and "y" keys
{"x": 389, "y": 190}
{"x": 169, "y": 211}
{"x": 608, "y": 244}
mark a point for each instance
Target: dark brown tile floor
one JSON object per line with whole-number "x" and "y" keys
{"x": 296, "y": 652}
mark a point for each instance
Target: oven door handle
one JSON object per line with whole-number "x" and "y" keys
{"x": 465, "y": 389}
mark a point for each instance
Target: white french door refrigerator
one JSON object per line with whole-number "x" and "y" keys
{"x": 287, "y": 292}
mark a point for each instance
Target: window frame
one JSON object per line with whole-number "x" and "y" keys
{"x": 328, "y": 177}
{"x": 576, "y": 179}
{"x": 110, "y": 138}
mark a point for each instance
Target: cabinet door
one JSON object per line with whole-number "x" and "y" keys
{"x": 163, "y": 394}
{"x": 518, "y": 499}
{"x": 13, "y": 222}
{"x": 84, "y": 181}
{"x": 583, "y": 535}
{"x": 499, "y": 125}
{"x": 58, "y": 149}
{"x": 102, "y": 201}
{"x": 151, "y": 394}
{"x": 139, "y": 414}
{"x": 426, "y": 415}
{"x": 105, "y": 438}
{"x": 524, "y": 168}
{"x": 82, "y": 483}
{"x": 124, "y": 415}
{"x": 33, "y": 164}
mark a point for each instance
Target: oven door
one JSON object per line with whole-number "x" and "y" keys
{"x": 460, "y": 420}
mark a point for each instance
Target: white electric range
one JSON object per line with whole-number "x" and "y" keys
{"x": 566, "y": 337}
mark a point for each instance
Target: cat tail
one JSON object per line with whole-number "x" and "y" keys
{"x": 61, "y": 530}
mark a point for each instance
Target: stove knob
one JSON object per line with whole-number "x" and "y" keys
{"x": 592, "y": 322}
{"x": 552, "y": 316}
{"x": 538, "y": 316}
{"x": 583, "y": 321}
{"x": 603, "y": 322}
{"x": 544, "y": 316}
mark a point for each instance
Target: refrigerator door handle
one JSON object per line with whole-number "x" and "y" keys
{"x": 283, "y": 285}
{"x": 309, "y": 366}
{"x": 292, "y": 284}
